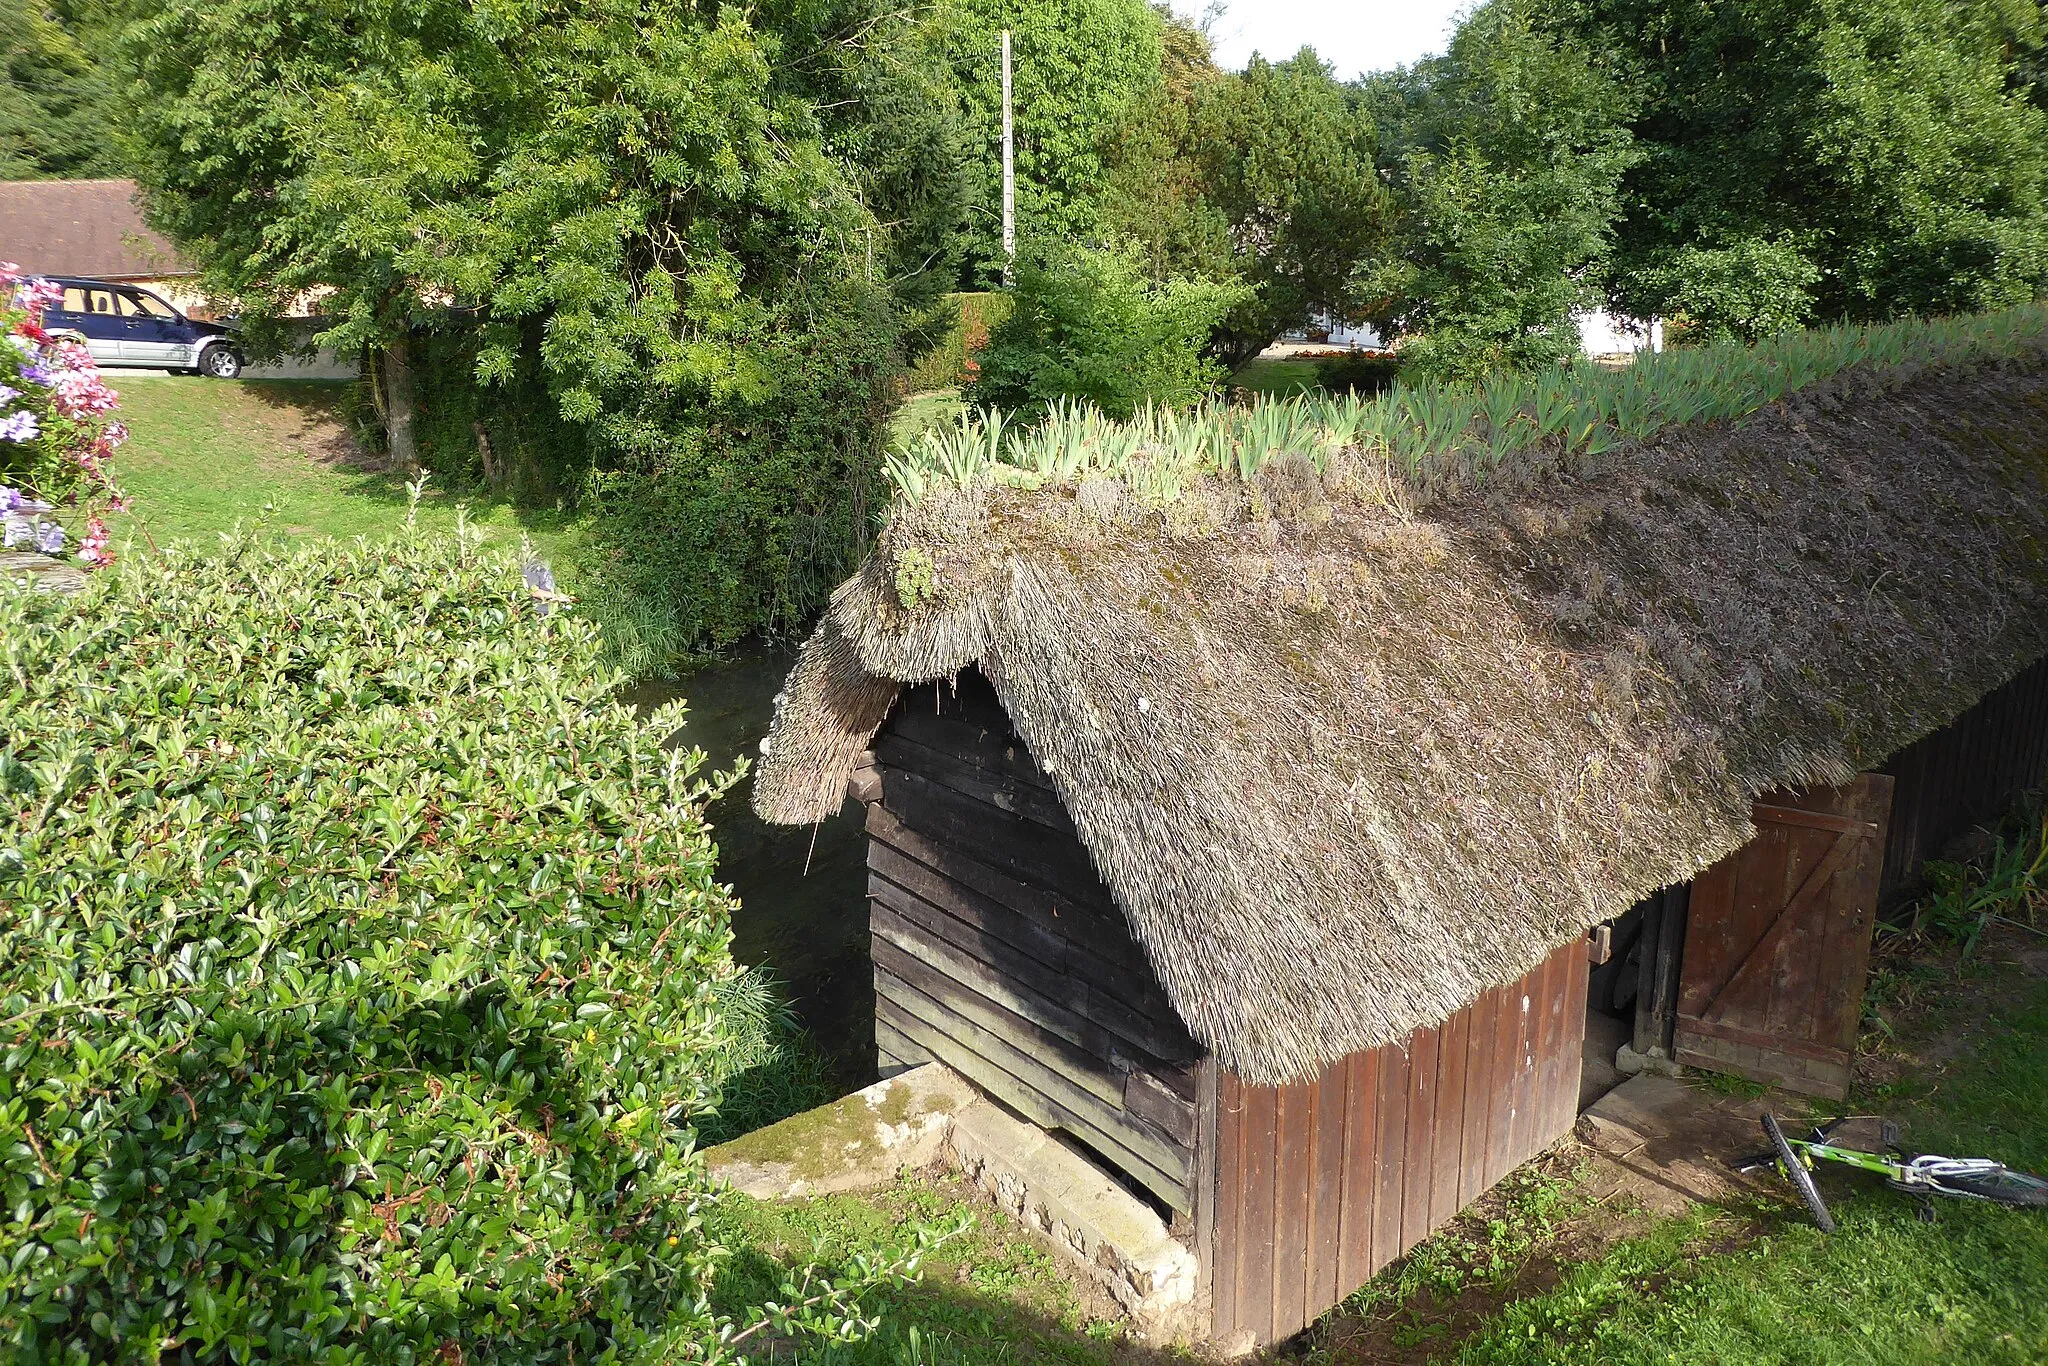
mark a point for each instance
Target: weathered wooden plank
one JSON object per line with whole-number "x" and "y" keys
{"x": 1447, "y": 1166}
{"x": 1361, "y": 1170}
{"x": 1326, "y": 1188}
{"x": 1099, "y": 935}
{"x": 1013, "y": 796}
{"x": 897, "y": 954}
{"x": 1506, "y": 1062}
{"x": 1149, "y": 1037}
{"x": 1208, "y": 1178}
{"x": 1391, "y": 1154}
{"x": 1293, "y": 1186}
{"x": 996, "y": 750}
{"x": 1420, "y": 1159}
{"x": 1039, "y": 1096}
{"x": 1548, "y": 979}
{"x": 1572, "y": 1047}
{"x": 1148, "y": 1098}
{"x": 1024, "y": 849}
{"x": 1479, "y": 1096}
{"x": 1255, "y": 1303}
{"x": 1226, "y": 1283}
{"x": 1108, "y": 1126}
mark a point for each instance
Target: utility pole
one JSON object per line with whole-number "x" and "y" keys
{"x": 1009, "y": 173}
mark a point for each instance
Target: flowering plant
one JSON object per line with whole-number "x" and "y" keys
{"x": 56, "y": 440}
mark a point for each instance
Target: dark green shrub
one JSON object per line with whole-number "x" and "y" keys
{"x": 1088, "y": 324}
{"x": 1359, "y": 373}
{"x": 362, "y": 971}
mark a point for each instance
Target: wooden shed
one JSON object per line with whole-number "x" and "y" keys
{"x": 1252, "y": 840}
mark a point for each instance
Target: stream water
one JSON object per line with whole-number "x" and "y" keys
{"x": 802, "y": 890}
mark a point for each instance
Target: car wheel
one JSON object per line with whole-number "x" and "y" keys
{"x": 220, "y": 362}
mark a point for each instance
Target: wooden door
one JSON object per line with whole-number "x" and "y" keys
{"x": 1777, "y": 942}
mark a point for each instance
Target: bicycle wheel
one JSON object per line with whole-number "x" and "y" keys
{"x": 2004, "y": 1186}
{"x": 1800, "y": 1176}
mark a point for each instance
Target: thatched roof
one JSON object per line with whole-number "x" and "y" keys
{"x": 1344, "y": 769}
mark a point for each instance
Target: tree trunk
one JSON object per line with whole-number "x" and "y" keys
{"x": 398, "y": 406}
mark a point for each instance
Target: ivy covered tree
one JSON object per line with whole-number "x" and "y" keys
{"x": 687, "y": 229}
{"x": 1080, "y": 70}
{"x": 1852, "y": 159}
{"x": 1507, "y": 155}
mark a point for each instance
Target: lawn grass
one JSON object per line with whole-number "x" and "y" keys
{"x": 205, "y": 456}
{"x": 1278, "y": 378}
{"x": 1764, "y": 1285}
{"x": 988, "y": 1295}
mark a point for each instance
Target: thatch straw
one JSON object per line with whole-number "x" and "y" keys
{"x": 1345, "y": 769}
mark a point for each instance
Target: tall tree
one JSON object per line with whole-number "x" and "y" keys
{"x": 647, "y": 210}
{"x": 1081, "y": 69}
{"x": 56, "y": 105}
{"x": 1508, "y": 153}
{"x": 1264, "y": 178}
{"x": 1860, "y": 158}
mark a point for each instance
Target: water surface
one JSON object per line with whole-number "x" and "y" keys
{"x": 802, "y": 889}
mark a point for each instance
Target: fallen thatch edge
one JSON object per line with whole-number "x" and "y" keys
{"x": 1346, "y": 769}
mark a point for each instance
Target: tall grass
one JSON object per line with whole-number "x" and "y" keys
{"x": 1428, "y": 433}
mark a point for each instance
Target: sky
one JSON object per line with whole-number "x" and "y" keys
{"x": 1355, "y": 36}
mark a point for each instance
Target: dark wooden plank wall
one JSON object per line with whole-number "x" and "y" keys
{"x": 1964, "y": 775}
{"x": 999, "y": 952}
{"x": 1322, "y": 1183}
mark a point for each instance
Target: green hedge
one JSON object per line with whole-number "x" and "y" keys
{"x": 361, "y": 964}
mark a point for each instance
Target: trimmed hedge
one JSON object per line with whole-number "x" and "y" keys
{"x": 360, "y": 972}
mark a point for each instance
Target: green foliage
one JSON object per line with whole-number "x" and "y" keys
{"x": 57, "y": 108}
{"x": 1087, "y": 324}
{"x": 656, "y": 233}
{"x": 745, "y": 526}
{"x": 1508, "y": 154}
{"x": 362, "y": 971}
{"x": 1080, "y": 69}
{"x": 1264, "y": 177}
{"x": 1744, "y": 292}
{"x": 1359, "y": 373}
{"x": 1881, "y": 156}
{"x": 949, "y": 339}
{"x": 1288, "y": 166}
{"x": 1414, "y": 441}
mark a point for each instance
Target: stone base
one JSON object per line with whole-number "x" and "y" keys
{"x": 857, "y": 1141}
{"x": 1114, "y": 1236}
{"x": 927, "y": 1115}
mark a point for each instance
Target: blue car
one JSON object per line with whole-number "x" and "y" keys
{"x": 125, "y": 325}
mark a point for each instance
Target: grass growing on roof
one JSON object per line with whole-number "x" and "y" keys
{"x": 1428, "y": 437}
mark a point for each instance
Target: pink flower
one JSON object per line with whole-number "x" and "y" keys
{"x": 93, "y": 550}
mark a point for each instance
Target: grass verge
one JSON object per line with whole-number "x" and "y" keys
{"x": 205, "y": 456}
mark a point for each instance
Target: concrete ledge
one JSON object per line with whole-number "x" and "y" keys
{"x": 1117, "y": 1238}
{"x": 929, "y": 1114}
{"x": 860, "y": 1140}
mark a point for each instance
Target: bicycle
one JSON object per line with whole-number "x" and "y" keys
{"x": 1923, "y": 1176}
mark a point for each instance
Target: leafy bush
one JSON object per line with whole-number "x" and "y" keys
{"x": 362, "y": 973}
{"x": 949, "y": 340}
{"x": 1746, "y": 292}
{"x": 1358, "y": 373}
{"x": 1089, "y": 325}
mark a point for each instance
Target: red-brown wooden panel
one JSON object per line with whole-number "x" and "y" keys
{"x": 1448, "y": 1164}
{"x": 1294, "y": 1129}
{"x": 1391, "y": 1115}
{"x": 1326, "y": 1186}
{"x": 1420, "y": 1157}
{"x": 1321, "y": 1184}
{"x": 1778, "y": 941}
{"x": 1361, "y": 1171}
{"x": 1479, "y": 1092}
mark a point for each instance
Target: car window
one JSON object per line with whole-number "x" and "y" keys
{"x": 101, "y": 300}
{"x": 129, "y": 305}
{"x": 154, "y": 306}
{"x": 74, "y": 299}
